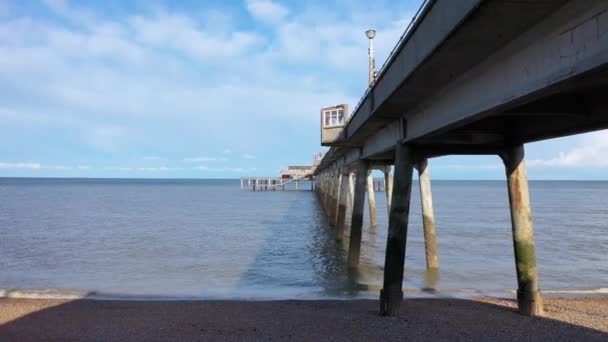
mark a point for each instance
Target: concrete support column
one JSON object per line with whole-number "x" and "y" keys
{"x": 336, "y": 200}
{"x": 325, "y": 191}
{"x": 297, "y": 185}
{"x": 329, "y": 196}
{"x": 529, "y": 298}
{"x": 351, "y": 189}
{"x": 342, "y": 203}
{"x": 391, "y": 294}
{"x": 371, "y": 199}
{"x": 354, "y": 249}
{"x": 428, "y": 217}
{"x": 388, "y": 187}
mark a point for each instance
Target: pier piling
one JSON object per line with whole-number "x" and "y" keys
{"x": 351, "y": 189}
{"x": 354, "y": 249}
{"x": 330, "y": 195}
{"x": 388, "y": 187}
{"x": 371, "y": 199}
{"x": 529, "y": 298}
{"x": 342, "y": 203}
{"x": 335, "y": 204}
{"x": 428, "y": 217}
{"x": 391, "y": 294}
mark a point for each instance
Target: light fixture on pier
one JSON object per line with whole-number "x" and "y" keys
{"x": 371, "y": 34}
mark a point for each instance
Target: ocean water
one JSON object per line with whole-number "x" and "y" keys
{"x": 208, "y": 239}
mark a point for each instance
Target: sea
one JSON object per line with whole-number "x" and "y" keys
{"x": 208, "y": 239}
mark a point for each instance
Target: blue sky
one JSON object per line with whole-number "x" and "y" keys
{"x": 204, "y": 89}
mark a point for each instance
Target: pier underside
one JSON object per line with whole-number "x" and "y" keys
{"x": 470, "y": 78}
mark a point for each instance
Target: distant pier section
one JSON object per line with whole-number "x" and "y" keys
{"x": 293, "y": 174}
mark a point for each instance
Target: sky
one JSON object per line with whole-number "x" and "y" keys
{"x": 205, "y": 89}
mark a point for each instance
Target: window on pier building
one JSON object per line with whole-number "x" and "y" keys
{"x": 333, "y": 117}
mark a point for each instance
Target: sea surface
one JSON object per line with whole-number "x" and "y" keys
{"x": 200, "y": 239}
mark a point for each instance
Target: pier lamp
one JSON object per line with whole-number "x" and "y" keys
{"x": 371, "y": 34}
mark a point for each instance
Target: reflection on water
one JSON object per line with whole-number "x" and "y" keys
{"x": 203, "y": 239}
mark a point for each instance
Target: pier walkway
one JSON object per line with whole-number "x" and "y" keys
{"x": 468, "y": 77}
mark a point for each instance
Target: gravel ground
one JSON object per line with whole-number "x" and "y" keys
{"x": 354, "y": 320}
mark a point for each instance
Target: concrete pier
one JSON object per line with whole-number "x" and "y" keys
{"x": 388, "y": 187}
{"x": 356, "y": 226}
{"x": 371, "y": 200}
{"x": 402, "y": 119}
{"x": 428, "y": 217}
{"x": 335, "y": 192}
{"x": 391, "y": 294}
{"x": 528, "y": 294}
{"x": 351, "y": 189}
{"x": 342, "y": 205}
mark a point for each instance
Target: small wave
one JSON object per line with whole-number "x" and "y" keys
{"x": 601, "y": 290}
{"x": 45, "y": 294}
{"x": 363, "y": 292}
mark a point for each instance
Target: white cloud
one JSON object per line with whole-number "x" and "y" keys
{"x": 163, "y": 77}
{"x": 107, "y": 138}
{"x": 118, "y": 168}
{"x": 159, "y": 168}
{"x": 33, "y": 166}
{"x": 227, "y": 151}
{"x": 226, "y": 169}
{"x": 39, "y": 166}
{"x": 203, "y": 159}
{"x": 182, "y": 33}
{"x": 64, "y": 9}
{"x": 248, "y": 156}
{"x": 591, "y": 152}
{"x": 151, "y": 158}
{"x": 469, "y": 166}
{"x": 60, "y": 167}
{"x": 267, "y": 10}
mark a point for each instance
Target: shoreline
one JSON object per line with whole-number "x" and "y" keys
{"x": 420, "y": 319}
{"x": 370, "y": 294}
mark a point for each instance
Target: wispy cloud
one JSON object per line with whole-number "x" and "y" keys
{"x": 204, "y": 159}
{"x": 118, "y": 168}
{"x": 40, "y": 166}
{"x": 226, "y": 169}
{"x": 267, "y": 10}
{"x": 248, "y": 156}
{"x": 469, "y": 166}
{"x": 32, "y": 166}
{"x": 160, "y": 168}
{"x": 181, "y": 33}
{"x": 152, "y": 158}
{"x": 148, "y": 67}
{"x": 591, "y": 152}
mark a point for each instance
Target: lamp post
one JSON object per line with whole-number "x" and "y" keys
{"x": 371, "y": 34}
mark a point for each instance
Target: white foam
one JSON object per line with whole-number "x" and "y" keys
{"x": 44, "y": 294}
{"x": 601, "y": 290}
